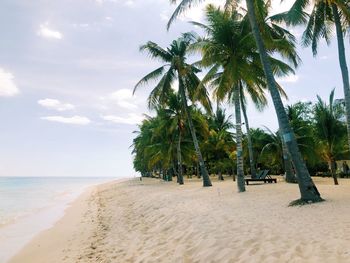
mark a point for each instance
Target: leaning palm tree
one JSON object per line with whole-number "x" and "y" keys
{"x": 176, "y": 67}
{"x": 324, "y": 15}
{"x": 308, "y": 189}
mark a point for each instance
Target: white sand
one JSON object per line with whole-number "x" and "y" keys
{"x": 153, "y": 221}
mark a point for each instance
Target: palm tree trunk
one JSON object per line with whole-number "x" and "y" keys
{"x": 333, "y": 170}
{"x": 179, "y": 160}
{"x": 290, "y": 177}
{"x": 343, "y": 67}
{"x": 220, "y": 177}
{"x": 308, "y": 190}
{"x": 240, "y": 172}
{"x": 204, "y": 172}
{"x": 197, "y": 170}
{"x": 250, "y": 144}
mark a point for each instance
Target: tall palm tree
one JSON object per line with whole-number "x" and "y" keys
{"x": 324, "y": 14}
{"x": 230, "y": 51}
{"x": 260, "y": 103}
{"x": 308, "y": 190}
{"x": 176, "y": 67}
{"x": 329, "y": 130}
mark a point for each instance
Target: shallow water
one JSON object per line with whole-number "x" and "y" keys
{"x": 29, "y": 205}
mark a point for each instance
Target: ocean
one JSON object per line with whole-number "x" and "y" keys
{"x": 29, "y": 205}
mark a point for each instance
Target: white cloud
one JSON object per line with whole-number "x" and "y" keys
{"x": 131, "y": 119}
{"x": 124, "y": 99}
{"x": 288, "y": 79}
{"x": 8, "y": 87}
{"x": 76, "y": 120}
{"x": 46, "y": 32}
{"x": 54, "y": 104}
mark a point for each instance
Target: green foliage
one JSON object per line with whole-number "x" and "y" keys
{"x": 329, "y": 129}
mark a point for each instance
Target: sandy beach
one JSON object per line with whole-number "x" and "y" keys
{"x": 155, "y": 221}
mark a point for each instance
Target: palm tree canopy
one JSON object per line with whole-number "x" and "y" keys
{"x": 230, "y": 50}
{"x": 174, "y": 68}
{"x": 320, "y": 21}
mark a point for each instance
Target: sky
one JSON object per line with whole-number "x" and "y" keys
{"x": 67, "y": 71}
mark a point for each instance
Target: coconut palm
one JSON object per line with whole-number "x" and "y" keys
{"x": 176, "y": 68}
{"x": 230, "y": 51}
{"x": 324, "y": 15}
{"x": 308, "y": 190}
{"x": 273, "y": 149}
{"x": 329, "y": 130}
{"x": 220, "y": 141}
{"x": 174, "y": 123}
{"x": 260, "y": 102}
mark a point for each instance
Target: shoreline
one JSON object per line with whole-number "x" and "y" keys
{"x": 155, "y": 221}
{"x": 15, "y": 235}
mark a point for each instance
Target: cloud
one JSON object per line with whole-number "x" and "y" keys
{"x": 46, "y": 32}
{"x": 8, "y": 87}
{"x": 76, "y": 120}
{"x": 288, "y": 79}
{"x": 53, "y": 104}
{"x": 124, "y": 99}
{"x": 131, "y": 119}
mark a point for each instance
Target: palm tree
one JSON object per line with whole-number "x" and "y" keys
{"x": 220, "y": 141}
{"x": 140, "y": 143}
{"x": 329, "y": 130}
{"x": 308, "y": 190}
{"x": 324, "y": 14}
{"x": 174, "y": 123}
{"x": 176, "y": 67}
{"x": 230, "y": 51}
{"x": 260, "y": 102}
{"x": 273, "y": 149}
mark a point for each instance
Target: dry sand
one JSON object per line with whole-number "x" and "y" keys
{"x": 154, "y": 221}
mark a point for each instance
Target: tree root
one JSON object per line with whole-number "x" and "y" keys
{"x": 300, "y": 202}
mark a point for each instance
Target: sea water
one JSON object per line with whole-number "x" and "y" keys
{"x": 29, "y": 205}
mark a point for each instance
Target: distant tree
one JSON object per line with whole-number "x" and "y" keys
{"x": 330, "y": 131}
{"x": 220, "y": 141}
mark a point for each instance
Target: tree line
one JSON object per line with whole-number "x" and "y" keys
{"x": 242, "y": 52}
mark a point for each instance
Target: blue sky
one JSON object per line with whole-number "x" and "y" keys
{"x": 67, "y": 69}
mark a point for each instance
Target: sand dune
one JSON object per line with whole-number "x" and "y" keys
{"x": 154, "y": 221}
